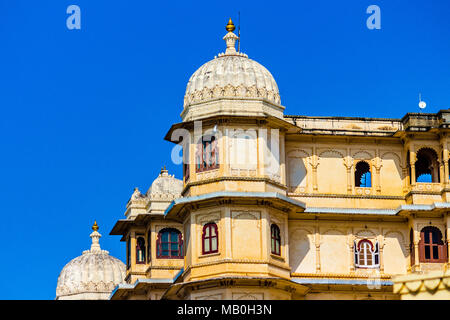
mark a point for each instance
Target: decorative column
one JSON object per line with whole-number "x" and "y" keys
{"x": 348, "y": 163}
{"x": 412, "y": 164}
{"x": 317, "y": 244}
{"x": 314, "y": 174}
{"x": 416, "y": 248}
{"x": 446, "y": 173}
{"x": 352, "y": 251}
{"x": 377, "y": 165}
{"x": 380, "y": 240}
{"x": 314, "y": 164}
{"x": 405, "y": 179}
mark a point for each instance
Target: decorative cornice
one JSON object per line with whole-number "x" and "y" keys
{"x": 351, "y": 275}
{"x": 348, "y": 196}
{"x": 219, "y": 179}
{"x": 239, "y": 261}
{"x": 416, "y": 283}
{"x": 230, "y": 91}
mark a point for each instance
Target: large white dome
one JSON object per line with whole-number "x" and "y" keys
{"x": 91, "y": 276}
{"x": 231, "y": 74}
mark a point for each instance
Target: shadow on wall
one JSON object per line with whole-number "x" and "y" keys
{"x": 301, "y": 257}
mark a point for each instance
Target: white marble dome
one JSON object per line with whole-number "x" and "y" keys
{"x": 165, "y": 185}
{"x": 91, "y": 276}
{"x": 231, "y": 74}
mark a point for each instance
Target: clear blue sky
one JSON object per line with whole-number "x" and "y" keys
{"x": 84, "y": 112}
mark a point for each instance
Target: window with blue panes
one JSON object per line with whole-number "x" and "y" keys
{"x": 169, "y": 244}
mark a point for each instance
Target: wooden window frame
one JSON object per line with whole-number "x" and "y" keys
{"x": 179, "y": 242}
{"x": 210, "y": 226}
{"x": 441, "y": 247}
{"x": 275, "y": 238}
{"x": 207, "y": 156}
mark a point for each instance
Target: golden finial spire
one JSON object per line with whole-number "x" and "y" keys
{"x": 230, "y": 26}
{"x": 95, "y": 226}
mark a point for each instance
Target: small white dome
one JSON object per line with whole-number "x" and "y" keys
{"x": 231, "y": 74}
{"x": 91, "y": 276}
{"x": 165, "y": 185}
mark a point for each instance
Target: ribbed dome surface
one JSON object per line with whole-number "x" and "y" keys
{"x": 231, "y": 74}
{"x": 165, "y": 185}
{"x": 91, "y": 272}
{"x": 93, "y": 275}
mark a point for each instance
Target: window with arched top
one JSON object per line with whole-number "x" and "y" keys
{"x": 169, "y": 244}
{"x": 140, "y": 250}
{"x": 432, "y": 247}
{"x": 363, "y": 177}
{"x": 427, "y": 166}
{"x": 275, "y": 236}
{"x": 366, "y": 254}
{"x": 210, "y": 238}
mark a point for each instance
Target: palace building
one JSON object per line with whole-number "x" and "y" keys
{"x": 276, "y": 206}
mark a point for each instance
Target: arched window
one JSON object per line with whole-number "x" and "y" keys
{"x": 140, "y": 250}
{"x": 210, "y": 238}
{"x": 276, "y": 239}
{"x": 427, "y": 166}
{"x": 362, "y": 175}
{"x": 366, "y": 254}
{"x": 207, "y": 157}
{"x": 432, "y": 247}
{"x": 169, "y": 244}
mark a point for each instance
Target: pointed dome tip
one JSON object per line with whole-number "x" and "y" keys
{"x": 95, "y": 226}
{"x": 230, "y": 26}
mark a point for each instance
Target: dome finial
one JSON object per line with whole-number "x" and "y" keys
{"x": 95, "y": 236}
{"x": 230, "y": 39}
{"x": 230, "y": 26}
